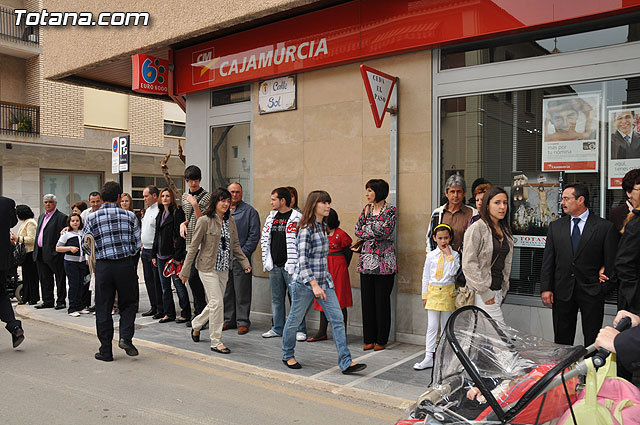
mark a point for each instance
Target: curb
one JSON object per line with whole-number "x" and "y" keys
{"x": 357, "y": 394}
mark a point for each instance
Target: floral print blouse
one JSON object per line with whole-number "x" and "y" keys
{"x": 378, "y": 252}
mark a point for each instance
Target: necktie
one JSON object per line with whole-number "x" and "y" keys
{"x": 440, "y": 266}
{"x": 575, "y": 235}
{"x": 627, "y": 139}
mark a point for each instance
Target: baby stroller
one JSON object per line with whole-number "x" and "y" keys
{"x": 490, "y": 375}
{"x": 13, "y": 284}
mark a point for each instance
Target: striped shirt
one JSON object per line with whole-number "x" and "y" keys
{"x": 313, "y": 247}
{"x": 115, "y": 231}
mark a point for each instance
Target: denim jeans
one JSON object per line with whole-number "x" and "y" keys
{"x": 301, "y": 299}
{"x": 280, "y": 280}
{"x": 168, "y": 306}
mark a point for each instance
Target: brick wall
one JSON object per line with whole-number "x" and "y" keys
{"x": 146, "y": 121}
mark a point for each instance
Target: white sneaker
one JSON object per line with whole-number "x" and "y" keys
{"x": 424, "y": 364}
{"x": 270, "y": 334}
{"x": 85, "y": 311}
{"x": 301, "y": 336}
{"x": 74, "y": 314}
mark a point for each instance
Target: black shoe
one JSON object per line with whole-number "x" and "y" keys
{"x": 224, "y": 350}
{"x": 103, "y": 358}
{"x": 157, "y": 316}
{"x": 166, "y": 320}
{"x": 296, "y": 365}
{"x": 128, "y": 347}
{"x": 33, "y": 302}
{"x": 354, "y": 368}
{"x": 43, "y": 305}
{"x": 22, "y": 302}
{"x": 92, "y": 308}
{"x": 17, "y": 336}
{"x": 150, "y": 312}
{"x": 188, "y": 323}
{"x": 194, "y": 337}
{"x": 60, "y": 307}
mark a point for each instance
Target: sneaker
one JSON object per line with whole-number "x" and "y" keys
{"x": 75, "y": 314}
{"x": 301, "y": 336}
{"x": 424, "y": 364}
{"x": 85, "y": 311}
{"x": 270, "y": 334}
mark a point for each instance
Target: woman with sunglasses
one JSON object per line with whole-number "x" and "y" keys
{"x": 216, "y": 236}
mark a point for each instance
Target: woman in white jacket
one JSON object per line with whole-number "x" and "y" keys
{"x": 488, "y": 252}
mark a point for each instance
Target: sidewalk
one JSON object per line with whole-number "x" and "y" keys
{"x": 389, "y": 376}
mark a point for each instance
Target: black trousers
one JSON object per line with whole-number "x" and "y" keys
{"x": 6, "y": 310}
{"x": 152, "y": 281}
{"x": 30, "y": 283}
{"x": 47, "y": 271}
{"x": 565, "y": 317}
{"x": 197, "y": 289}
{"x": 375, "y": 292}
{"x": 237, "y": 297}
{"x": 115, "y": 276}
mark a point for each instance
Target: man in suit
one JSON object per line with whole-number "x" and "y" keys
{"x": 578, "y": 246}
{"x": 625, "y": 143}
{"x": 8, "y": 219}
{"x": 50, "y": 263}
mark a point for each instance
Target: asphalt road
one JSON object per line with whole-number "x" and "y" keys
{"x": 53, "y": 378}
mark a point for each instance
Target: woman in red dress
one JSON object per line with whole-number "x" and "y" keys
{"x": 339, "y": 270}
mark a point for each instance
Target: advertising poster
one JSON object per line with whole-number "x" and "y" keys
{"x": 570, "y": 139}
{"x": 624, "y": 142}
{"x": 535, "y": 200}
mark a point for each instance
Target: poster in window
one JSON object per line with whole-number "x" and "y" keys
{"x": 570, "y": 139}
{"x": 534, "y": 204}
{"x": 624, "y": 142}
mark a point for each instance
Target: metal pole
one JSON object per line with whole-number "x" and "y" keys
{"x": 121, "y": 180}
{"x": 393, "y": 191}
{"x": 603, "y": 155}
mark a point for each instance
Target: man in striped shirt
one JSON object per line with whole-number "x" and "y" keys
{"x": 117, "y": 240}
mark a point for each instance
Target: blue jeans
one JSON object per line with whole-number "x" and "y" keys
{"x": 301, "y": 299}
{"x": 280, "y": 280}
{"x": 168, "y": 307}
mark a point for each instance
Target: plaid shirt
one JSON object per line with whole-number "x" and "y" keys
{"x": 115, "y": 231}
{"x": 313, "y": 247}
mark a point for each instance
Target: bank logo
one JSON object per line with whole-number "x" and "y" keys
{"x": 153, "y": 71}
{"x": 203, "y": 66}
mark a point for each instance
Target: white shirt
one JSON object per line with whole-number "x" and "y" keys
{"x": 451, "y": 266}
{"x": 148, "y": 232}
{"x": 85, "y": 214}
{"x": 583, "y": 220}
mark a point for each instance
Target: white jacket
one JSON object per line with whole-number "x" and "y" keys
{"x": 292, "y": 249}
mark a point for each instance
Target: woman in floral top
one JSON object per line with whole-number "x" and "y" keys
{"x": 377, "y": 264}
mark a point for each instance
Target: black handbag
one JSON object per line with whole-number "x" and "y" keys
{"x": 19, "y": 254}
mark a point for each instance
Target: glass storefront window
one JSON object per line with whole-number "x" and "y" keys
{"x": 529, "y": 141}
{"x": 231, "y": 95}
{"x": 456, "y": 57}
{"x": 69, "y": 188}
{"x": 139, "y": 183}
{"x": 231, "y": 157}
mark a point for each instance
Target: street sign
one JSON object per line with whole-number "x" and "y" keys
{"x": 379, "y": 86}
{"x": 120, "y": 154}
{"x": 278, "y": 94}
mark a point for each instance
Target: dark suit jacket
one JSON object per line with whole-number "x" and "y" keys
{"x": 50, "y": 237}
{"x": 621, "y": 150}
{"x": 626, "y": 344}
{"x": 628, "y": 266}
{"x": 8, "y": 219}
{"x": 562, "y": 270}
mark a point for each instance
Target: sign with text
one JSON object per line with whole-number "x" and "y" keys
{"x": 120, "y": 154}
{"x": 278, "y": 94}
{"x": 570, "y": 137}
{"x": 534, "y": 204}
{"x": 624, "y": 142}
{"x": 149, "y": 74}
{"x": 379, "y": 87}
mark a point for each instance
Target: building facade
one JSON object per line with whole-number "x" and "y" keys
{"x": 527, "y": 99}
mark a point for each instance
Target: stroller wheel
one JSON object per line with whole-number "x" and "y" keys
{"x": 19, "y": 294}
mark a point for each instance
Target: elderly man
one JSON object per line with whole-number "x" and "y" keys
{"x": 237, "y": 296}
{"x": 454, "y": 212}
{"x": 49, "y": 262}
{"x": 117, "y": 240}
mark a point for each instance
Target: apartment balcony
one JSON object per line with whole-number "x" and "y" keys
{"x": 19, "y": 120}
{"x": 18, "y": 40}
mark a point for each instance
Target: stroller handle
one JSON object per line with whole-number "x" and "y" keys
{"x": 601, "y": 356}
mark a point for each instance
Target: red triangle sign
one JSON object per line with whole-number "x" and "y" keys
{"x": 379, "y": 86}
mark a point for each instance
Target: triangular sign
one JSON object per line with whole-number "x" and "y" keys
{"x": 379, "y": 87}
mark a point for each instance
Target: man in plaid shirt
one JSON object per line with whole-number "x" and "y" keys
{"x": 117, "y": 240}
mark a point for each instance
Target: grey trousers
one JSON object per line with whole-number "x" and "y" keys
{"x": 237, "y": 297}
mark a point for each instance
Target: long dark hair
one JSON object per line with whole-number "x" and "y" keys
{"x": 309, "y": 210}
{"x": 172, "y": 205}
{"x": 218, "y": 195}
{"x": 484, "y": 211}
